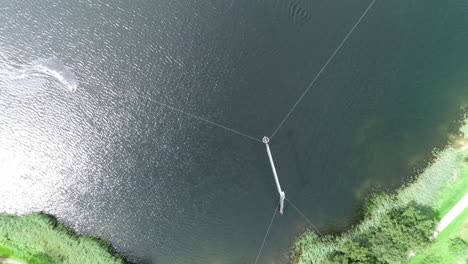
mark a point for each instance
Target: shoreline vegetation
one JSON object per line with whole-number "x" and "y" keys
{"x": 395, "y": 228}
{"x": 39, "y": 238}
{"x": 399, "y": 227}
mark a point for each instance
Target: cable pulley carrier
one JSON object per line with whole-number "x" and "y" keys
{"x": 282, "y": 195}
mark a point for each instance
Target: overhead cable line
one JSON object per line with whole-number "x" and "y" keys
{"x": 267, "y": 232}
{"x": 322, "y": 69}
{"x": 204, "y": 120}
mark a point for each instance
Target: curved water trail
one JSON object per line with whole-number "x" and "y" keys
{"x": 54, "y": 68}
{"x": 50, "y": 68}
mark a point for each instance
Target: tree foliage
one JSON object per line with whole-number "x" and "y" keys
{"x": 401, "y": 231}
{"x": 458, "y": 246}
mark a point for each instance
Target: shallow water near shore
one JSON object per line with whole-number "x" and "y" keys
{"x": 166, "y": 188}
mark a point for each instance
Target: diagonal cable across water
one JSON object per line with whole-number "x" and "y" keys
{"x": 323, "y": 68}
{"x": 266, "y": 234}
{"x": 204, "y": 120}
{"x": 310, "y": 223}
{"x": 293, "y": 107}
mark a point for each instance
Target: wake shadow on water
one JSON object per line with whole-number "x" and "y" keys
{"x": 51, "y": 68}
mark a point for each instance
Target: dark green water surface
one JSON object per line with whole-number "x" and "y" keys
{"x": 167, "y": 188}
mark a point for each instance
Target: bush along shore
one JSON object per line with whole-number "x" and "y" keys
{"x": 399, "y": 228}
{"x": 39, "y": 238}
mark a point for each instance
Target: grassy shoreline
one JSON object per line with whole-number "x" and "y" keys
{"x": 438, "y": 187}
{"x": 38, "y": 238}
{"x": 451, "y": 245}
{"x": 441, "y": 250}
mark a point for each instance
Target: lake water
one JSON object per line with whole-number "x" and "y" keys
{"x": 82, "y": 137}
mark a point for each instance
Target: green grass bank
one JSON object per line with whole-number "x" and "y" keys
{"x": 39, "y": 238}
{"x": 451, "y": 245}
{"x": 397, "y": 228}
